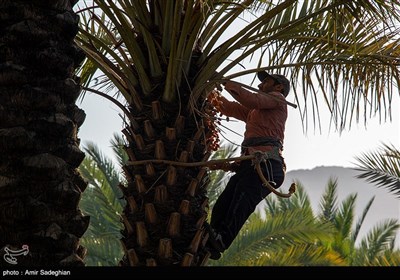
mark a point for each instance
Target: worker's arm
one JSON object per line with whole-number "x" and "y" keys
{"x": 252, "y": 100}
{"x": 233, "y": 109}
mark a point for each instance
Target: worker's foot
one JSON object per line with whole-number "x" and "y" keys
{"x": 214, "y": 243}
{"x": 214, "y": 254}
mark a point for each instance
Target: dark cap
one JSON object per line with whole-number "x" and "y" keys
{"x": 278, "y": 78}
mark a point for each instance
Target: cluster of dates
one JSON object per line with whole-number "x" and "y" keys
{"x": 212, "y": 120}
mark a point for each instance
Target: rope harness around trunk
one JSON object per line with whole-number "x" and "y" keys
{"x": 223, "y": 164}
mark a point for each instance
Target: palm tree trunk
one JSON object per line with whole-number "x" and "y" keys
{"x": 40, "y": 186}
{"x": 166, "y": 203}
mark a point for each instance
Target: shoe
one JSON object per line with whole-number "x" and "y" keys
{"x": 214, "y": 254}
{"x": 214, "y": 239}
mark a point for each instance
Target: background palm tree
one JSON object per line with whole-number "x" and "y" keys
{"x": 40, "y": 186}
{"x": 378, "y": 241}
{"x": 283, "y": 233}
{"x": 102, "y": 201}
{"x": 287, "y": 233}
{"x": 381, "y": 167}
{"x": 162, "y": 58}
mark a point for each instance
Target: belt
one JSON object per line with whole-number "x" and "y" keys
{"x": 264, "y": 141}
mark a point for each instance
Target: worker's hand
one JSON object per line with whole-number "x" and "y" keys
{"x": 232, "y": 87}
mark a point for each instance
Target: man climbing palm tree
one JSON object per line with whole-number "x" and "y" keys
{"x": 265, "y": 116}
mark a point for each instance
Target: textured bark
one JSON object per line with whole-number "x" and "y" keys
{"x": 166, "y": 204}
{"x": 40, "y": 186}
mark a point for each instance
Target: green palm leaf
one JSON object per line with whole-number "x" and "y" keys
{"x": 117, "y": 144}
{"x": 102, "y": 251}
{"x": 381, "y": 167}
{"x": 101, "y": 172}
{"x": 328, "y": 203}
{"x": 102, "y": 202}
{"x": 389, "y": 258}
{"x": 344, "y": 239}
{"x": 288, "y": 234}
{"x": 361, "y": 220}
{"x": 273, "y": 231}
{"x": 345, "y": 216}
{"x": 299, "y": 255}
{"x": 379, "y": 240}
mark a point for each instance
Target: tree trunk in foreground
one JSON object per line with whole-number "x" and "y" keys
{"x": 40, "y": 186}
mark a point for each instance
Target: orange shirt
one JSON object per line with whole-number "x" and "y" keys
{"x": 264, "y": 114}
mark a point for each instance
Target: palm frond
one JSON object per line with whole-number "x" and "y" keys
{"x": 381, "y": 167}
{"x": 378, "y": 240}
{"x": 273, "y": 233}
{"x": 360, "y": 221}
{"x": 344, "y": 217}
{"x": 271, "y": 206}
{"x": 104, "y": 251}
{"x": 388, "y": 258}
{"x": 104, "y": 216}
{"x": 104, "y": 172}
{"x": 117, "y": 144}
{"x": 102, "y": 202}
{"x": 335, "y": 42}
{"x": 344, "y": 53}
{"x": 328, "y": 203}
{"x": 291, "y": 236}
{"x": 300, "y": 200}
{"x": 299, "y": 255}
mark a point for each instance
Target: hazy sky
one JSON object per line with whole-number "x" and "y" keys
{"x": 301, "y": 151}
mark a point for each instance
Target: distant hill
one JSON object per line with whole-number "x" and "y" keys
{"x": 385, "y": 205}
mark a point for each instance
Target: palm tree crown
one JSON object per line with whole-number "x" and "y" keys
{"x": 165, "y": 48}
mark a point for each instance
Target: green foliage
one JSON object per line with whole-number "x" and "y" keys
{"x": 300, "y": 255}
{"x": 381, "y": 167}
{"x": 286, "y": 225}
{"x": 102, "y": 202}
{"x": 290, "y": 234}
{"x": 377, "y": 244}
{"x": 343, "y": 241}
{"x": 286, "y": 232}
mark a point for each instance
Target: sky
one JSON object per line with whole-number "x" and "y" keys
{"x": 301, "y": 150}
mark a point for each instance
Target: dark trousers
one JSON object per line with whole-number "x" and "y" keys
{"x": 241, "y": 196}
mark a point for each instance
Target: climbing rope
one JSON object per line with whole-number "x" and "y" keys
{"x": 257, "y": 158}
